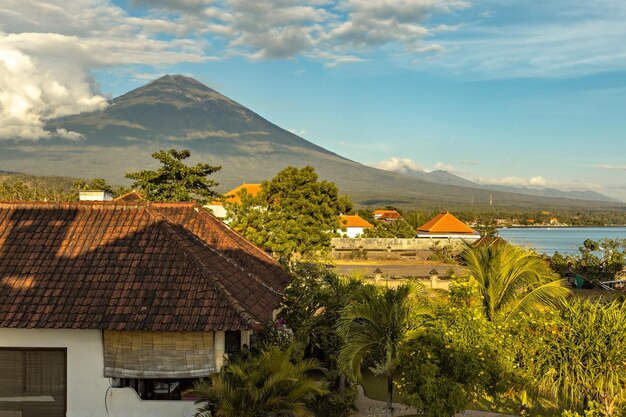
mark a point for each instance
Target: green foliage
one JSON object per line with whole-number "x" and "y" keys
{"x": 270, "y": 384}
{"x": 395, "y": 229}
{"x": 593, "y": 267}
{"x": 580, "y": 355}
{"x": 559, "y": 263}
{"x": 379, "y": 325}
{"x": 294, "y": 213}
{"x": 460, "y": 357}
{"x": 95, "y": 184}
{"x": 312, "y": 306}
{"x": 512, "y": 280}
{"x": 175, "y": 181}
{"x": 441, "y": 253}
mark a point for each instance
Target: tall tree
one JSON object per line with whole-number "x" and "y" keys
{"x": 294, "y": 213}
{"x": 512, "y": 280}
{"x": 380, "y": 325}
{"x": 270, "y": 384}
{"x": 175, "y": 181}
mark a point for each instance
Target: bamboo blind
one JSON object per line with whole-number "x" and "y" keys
{"x": 143, "y": 354}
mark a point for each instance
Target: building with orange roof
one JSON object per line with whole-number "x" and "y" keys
{"x": 233, "y": 196}
{"x": 353, "y": 226}
{"x": 386, "y": 215}
{"x": 445, "y": 225}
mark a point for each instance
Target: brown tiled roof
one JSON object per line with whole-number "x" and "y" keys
{"x": 130, "y": 266}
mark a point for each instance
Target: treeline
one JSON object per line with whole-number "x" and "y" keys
{"x": 21, "y": 187}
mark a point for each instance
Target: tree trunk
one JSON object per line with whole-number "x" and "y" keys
{"x": 389, "y": 394}
{"x": 342, "y": 385}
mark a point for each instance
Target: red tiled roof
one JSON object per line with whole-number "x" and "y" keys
{"x": 353, "y": 221}
{"x": 386, "y": 214}
{"x": 122, "y": 266}
{"x": 445, "y": 223}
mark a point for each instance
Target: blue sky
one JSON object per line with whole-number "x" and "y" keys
{"x": 528, "y": 93}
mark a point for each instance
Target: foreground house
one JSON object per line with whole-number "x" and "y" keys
{"x": 447, "y": 226}
{"x": 217, "y": 206}
{"x": 114, "y": 308}
{"x": 353, "y": 226}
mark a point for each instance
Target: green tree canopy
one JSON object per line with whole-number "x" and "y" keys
{"x": 175, "y": 181}
{"x": 95, "y": 184}
{"x": 294, "y": 213}
{"x": 461, "y": 357}
{"x": 398, "y": 228}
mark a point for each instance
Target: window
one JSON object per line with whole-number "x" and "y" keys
{"x": 158, "y": 389}
{"x": 232, "y": 341}
{"x": 33, "y": 382}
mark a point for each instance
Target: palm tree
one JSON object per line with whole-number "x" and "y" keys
{"x": 512, "y": 280}
{"x": 380, "y": 324}
{"x": 267, "y": 385}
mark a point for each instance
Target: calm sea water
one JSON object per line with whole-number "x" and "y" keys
{"x": 562, "y": 239}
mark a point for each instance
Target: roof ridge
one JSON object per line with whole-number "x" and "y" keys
{"x": 201, "y": 212}
{"x": 236, "y": 234}
{"x": 165, "y": 222}
{"x": 181, "y": 242}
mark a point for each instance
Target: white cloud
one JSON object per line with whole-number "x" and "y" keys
{"x": 537, "y": 181}
{"x": 533, "y": 182}
{"x": 32, "y": 92}
{"x": 553, "y": 39}
{"x": 445, "y": 167}
{"x": 48, "y": 49}
{"x": 396, "y": 164}
{"x": 611, "y": 167}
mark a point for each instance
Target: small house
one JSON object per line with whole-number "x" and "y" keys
{"x": 113, "y": 309}
{"x": 446, "y": 225}
{"x": 353, "y": 226}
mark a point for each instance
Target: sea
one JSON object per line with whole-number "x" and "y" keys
{"x": 565, "y": 240}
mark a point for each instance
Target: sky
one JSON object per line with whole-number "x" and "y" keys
{"x": 527, "y": 93}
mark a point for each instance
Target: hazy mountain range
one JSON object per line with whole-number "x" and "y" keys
{"x": 180, "y": 112}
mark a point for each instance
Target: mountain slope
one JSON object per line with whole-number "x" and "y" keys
{"x": 179, "y": 112}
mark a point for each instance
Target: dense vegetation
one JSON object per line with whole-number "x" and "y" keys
{"x": 507, "y": 335}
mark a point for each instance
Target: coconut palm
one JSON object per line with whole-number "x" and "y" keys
{"x": 267, "y": 385}
{"x": 379, "y": 325}
{"x": 512, "y": 280}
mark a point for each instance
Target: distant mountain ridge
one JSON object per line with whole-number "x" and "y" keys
{"x": 180, "y": 112}
{"x": 445, "y": 177}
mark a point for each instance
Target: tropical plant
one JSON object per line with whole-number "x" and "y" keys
{"x": 460, "y": 357}
{"x": 293, "y": 215}
{"x": 512, "y": 280}
{"x": 175, "y": 181}
{"x": 379, "y": 325}
{"x": 582, "y": 358}
{"x": 270, "y": 384}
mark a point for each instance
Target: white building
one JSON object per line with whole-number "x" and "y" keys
{"x": 113, "y": 309}
{"x": 353, "y": 226}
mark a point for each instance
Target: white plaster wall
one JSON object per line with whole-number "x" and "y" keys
{"x": 351, "y": 232}
{"x": 86, "y": 385}
{"x": 218, "y": 210}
